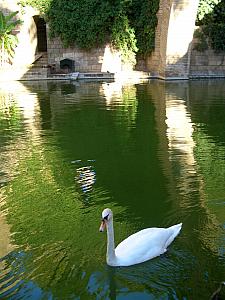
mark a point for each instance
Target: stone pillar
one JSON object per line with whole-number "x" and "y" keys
{"x": 180, "y": 34}
{"x": 156, "y": 62}
{"x": 174, "y": 33}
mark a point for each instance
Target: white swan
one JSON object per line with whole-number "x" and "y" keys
{"x": 138, "y": 247}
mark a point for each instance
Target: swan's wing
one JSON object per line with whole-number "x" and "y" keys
{"x": 141, "y": 246}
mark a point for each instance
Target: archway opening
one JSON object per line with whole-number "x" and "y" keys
{"x": 41, "y": 34}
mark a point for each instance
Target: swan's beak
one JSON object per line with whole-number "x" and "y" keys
{"x": 102, "y": 226}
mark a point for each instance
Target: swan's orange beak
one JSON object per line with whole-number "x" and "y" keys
{"x": 102, "y": 226}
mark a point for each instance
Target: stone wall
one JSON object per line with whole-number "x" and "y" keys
{"x": 207, "y": 64}
{"x": 104, "y": 59}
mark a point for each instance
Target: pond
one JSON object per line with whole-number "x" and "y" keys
{"x": 153, "y": 152}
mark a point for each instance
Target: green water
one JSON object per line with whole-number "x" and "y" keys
{"x": 153, "y": 152}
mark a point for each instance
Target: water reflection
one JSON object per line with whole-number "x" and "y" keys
{"x": 85, "y": 175}
{"x": 181, "y": 145}
{"x": 180, "y": 131}
{"x": 148, "y": 151}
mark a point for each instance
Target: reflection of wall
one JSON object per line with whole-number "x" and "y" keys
{"x": 178, "y": 131}
{"x": 179, "y": 152}
{"x": 5, "y": 243}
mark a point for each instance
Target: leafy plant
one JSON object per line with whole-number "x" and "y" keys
{"x": 41, "y": 5}
{"x": 205, "y": 7}
{"x": 8, "y": 40}
{"x": 123, "y": 38}
{"x": 211, "y": 16}
{"x": 201, "y": 44}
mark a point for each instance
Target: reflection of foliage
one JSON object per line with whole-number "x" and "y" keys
{"x": 209, "y": 134}
{"x": 212, "y": 169}
{"x": 210, "y": 159}
{"x": 10, "y": 116}
{"x": 45, "y": 215}
{"x": 8, "y": 40}
{"x": 211, "y": 15}
{"x": 130, "y": 105}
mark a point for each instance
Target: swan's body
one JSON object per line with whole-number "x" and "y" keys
{"x": 138, "y": 247}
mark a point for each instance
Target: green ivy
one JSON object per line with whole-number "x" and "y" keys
{"x": 144, "y": 21}
{"x": 123, "y": 38}
{"x": 129, "y": 25}
{"x": 211, "y": 18}
{"x": 205, "y": 7}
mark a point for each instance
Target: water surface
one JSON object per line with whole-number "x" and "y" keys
{"x": 153, "y": 152}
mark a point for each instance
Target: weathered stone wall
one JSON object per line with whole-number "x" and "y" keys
{"x": 95, "y": 60}
{"x": 207, "y": 64}
{"x": 156, "y": 62}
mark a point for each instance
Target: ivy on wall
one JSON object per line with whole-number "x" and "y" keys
{"x": 144, "y": 21}
{"x": 128, "y": 24}
{"x": 211, "y": 19}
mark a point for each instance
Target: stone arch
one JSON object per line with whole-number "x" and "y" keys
{"x": 174, "y": 33}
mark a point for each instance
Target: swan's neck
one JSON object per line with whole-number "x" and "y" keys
{"x": 110, "y": 255}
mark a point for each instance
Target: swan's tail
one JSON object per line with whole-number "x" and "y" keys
{"x": 175, "y": 230}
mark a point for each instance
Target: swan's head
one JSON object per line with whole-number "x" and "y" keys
{"x": 106, "y": 217}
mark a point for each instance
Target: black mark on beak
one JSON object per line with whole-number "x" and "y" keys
{"x": 105, "y": 218}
